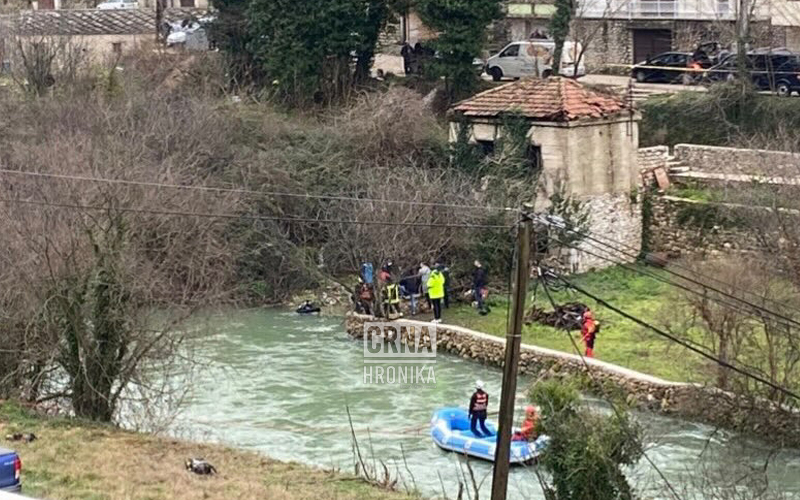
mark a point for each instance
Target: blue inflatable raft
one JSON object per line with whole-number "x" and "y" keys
{"x": 450, "y": 430}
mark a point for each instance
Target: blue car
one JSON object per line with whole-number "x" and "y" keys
{"x": 10, "y": 471}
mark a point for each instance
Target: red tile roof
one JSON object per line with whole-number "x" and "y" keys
{"x": 551, "y": 99}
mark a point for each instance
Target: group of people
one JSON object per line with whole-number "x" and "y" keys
{"x": 478, "y": 411}
{"x": 419, "y": 284}
{"x": 414, "y": 57}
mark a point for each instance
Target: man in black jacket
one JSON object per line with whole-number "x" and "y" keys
{"x": 479, "y": 283}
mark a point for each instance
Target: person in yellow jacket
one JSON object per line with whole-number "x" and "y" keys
{"x": 436, "y": 293}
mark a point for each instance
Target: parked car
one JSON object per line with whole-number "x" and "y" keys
{"x": 190, "y": 34}
{"x": 118, "y": 4}
{"x": 668, "y": 67}
{"x": 775, "y": 71}
{"x": 10, "y": 471}
{"x": 534, "y": 58}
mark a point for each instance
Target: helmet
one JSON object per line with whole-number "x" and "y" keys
{"x": 479, "y": 384}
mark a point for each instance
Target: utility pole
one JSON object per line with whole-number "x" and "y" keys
{"x": 513, "y": 336}
{"x": 742, "y": 36}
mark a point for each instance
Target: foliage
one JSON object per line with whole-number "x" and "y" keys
{"x": 465, "y": 156}
{"x": 721, "y": 117}
{"x": 587, "y": 450}
{"x": 301, "y": 51}
{"x": 575, "y": 215}
{"x": 739, "y": 334}
{"x": 462, "y": 28}
{"x": 559, "y": 29}
{"x": 230, "y": 34}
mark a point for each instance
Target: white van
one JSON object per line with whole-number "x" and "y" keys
{"x": 534, "y": 58}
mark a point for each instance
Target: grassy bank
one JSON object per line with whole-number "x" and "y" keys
{"x": 620, "y": 341}
{"x": 74, "y": 460}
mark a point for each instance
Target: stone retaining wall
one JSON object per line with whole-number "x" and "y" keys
{"x": 688, "y": 401}
{"x": 652, "y": 157}
{"x": 680, "y": 227}
{"x": 716, "y": 159}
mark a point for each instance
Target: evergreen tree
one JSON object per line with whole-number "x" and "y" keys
{"x": 588, "y": 451}
{"x": 462, "y": 28}
{"x": 302, "y": 50}
{"x": 559, "y": 29}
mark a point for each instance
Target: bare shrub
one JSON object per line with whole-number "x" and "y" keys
{"x": 41, "y": 62}
{"x": 98, "y": 277}
{"x": 744, "y": 335}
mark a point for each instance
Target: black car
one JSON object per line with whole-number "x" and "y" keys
{"x": 774, "y": 72}
{"x": 669, "y": 67}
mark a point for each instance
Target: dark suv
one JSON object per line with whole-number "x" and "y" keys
{"x": 775, "y": 72}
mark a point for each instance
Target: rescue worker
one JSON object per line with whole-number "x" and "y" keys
{"x": 589, "y": 332}
{"x": 436, "y": 293}
{"x": 478, "y": 409}
{"x": 391, "y": 299}
{"x": 365, "y": 297}
{"x": 528, "y": 432}
{"x": 425, "y": 274}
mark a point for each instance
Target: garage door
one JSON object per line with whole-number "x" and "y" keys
{"x": 647, "y": 43}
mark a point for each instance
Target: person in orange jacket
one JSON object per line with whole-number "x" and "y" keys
{"x": 589, "y": 332}
{"x": 528, "y": 432}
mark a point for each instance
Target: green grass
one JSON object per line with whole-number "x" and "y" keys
{"x": 76, "y": 460}
{"x": 620, "y": 341}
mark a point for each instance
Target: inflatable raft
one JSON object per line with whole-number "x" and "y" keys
{"x": 450, "y": 430}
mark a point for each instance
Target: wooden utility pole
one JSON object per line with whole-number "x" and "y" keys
{"x": 742, "y": 36}
{"x": 513, "y": 336}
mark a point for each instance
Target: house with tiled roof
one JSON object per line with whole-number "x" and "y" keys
{"x": 583, "y": 141}
{"x": 102, "y": 33}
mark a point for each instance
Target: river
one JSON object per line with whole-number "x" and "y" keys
{"x": 279, "y": 383}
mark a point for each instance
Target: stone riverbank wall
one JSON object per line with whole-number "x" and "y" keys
{"x": 644, "y": 392}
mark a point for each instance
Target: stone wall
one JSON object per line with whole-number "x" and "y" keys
{"x": 714, "y": 159}
{"x": 652, "y": 157}
{"x": 616, "y": 216}
{"x": 642, "y": 391}
{"x": 680, "y": 228}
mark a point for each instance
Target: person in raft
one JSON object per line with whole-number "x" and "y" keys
{"x": 478, "y": 407}
{"x": 528, "y": 432}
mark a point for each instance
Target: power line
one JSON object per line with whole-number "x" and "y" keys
{"x": 336, "y": 197}
{"x": 585, "y": 234}
{"x": 251, "y": 217}
{"x": 681, "y": 342}
{"x": 788, "y": 323}
{"x": 610, "y": 400}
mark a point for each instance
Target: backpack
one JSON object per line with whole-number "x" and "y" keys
{"x": 596, "y": 328}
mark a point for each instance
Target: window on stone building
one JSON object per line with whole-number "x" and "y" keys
{"x": 116, "y": 47}
{"x": 534, "y": 157}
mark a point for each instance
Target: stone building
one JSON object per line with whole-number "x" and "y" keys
{"x": 618, "y": 33}
{"x": 587, "y": 143}
{"x": 99, "y": 33}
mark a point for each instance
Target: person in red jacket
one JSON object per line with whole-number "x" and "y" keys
{"x": 528, "y": 432}
{"x": 589, "y": 332}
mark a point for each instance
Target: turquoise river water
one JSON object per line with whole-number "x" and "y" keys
{"x": 279, "y": 383}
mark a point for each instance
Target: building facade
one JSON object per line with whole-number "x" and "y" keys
{"x": 618, "y": 33}
{"x": 587, "y": 143}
